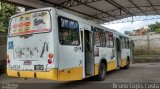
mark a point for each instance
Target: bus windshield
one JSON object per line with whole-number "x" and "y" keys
{"x": 29, "y": 23}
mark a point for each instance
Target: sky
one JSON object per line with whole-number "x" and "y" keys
{"x": 129, "y": 26}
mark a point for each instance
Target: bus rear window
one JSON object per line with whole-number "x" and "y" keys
{"x": 29, "y": 23}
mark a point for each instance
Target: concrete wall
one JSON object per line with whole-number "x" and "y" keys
{"x": 147, "y": 44}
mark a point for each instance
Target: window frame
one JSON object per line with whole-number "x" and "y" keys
{"x": 111, "y": 46}
{"x": 96, "y": 30}
{"x": 104, "y": 38}
{"x": 59, "y": 27}
{"x": 127, "y": 43}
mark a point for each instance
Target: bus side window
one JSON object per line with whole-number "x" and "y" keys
{"x": 96, "y": 38}
{"x": 111, "y": 39}
{"x": 123, "y": 39}
{"x": 107, "y": 39}
{"x": 68, "y": 31}
{"x": 122, "y": 42}
{"x": 128, "y": 45}
{"x": 114, "y": 39}
{"x": 102, "y": 39}
{"x": 125, "y": 42}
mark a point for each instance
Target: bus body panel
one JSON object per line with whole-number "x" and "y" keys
{"x": 70, "y": 59}
{"x": 125, "y": 54}
{"x": 106, "y": 53}
{"x": 31, "y": 51}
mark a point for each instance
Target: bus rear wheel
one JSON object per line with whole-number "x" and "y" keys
{"x": 127, "y": 64}
{"x": 102, "y": 72}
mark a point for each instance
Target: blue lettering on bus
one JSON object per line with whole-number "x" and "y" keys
{"x": 10, "y": 45}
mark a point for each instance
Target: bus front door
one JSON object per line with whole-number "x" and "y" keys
{"x": 88, "y": 53}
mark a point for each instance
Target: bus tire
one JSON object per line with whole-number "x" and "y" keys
{"x": 102, "y": 72}
{"x": 127, "y": 64}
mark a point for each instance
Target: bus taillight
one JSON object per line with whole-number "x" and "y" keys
{"x": 50, "y": 58}
{"x": 50, "y": 55}
{"x": 49, "y": 61}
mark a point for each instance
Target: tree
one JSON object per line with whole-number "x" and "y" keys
{"x": 158, "y": 30}
{"x": 6, "y": 11}
{"x": 154, "y": 27}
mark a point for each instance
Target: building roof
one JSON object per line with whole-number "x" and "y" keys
{"x": 100, "y": 11}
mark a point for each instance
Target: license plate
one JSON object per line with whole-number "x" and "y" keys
{"x": 38, "y": 67}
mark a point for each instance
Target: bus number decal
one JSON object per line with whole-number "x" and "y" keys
{"x": 77, "y": 49}
{"x": 10, "y": 45}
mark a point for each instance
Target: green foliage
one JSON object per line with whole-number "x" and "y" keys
{"x": 157, "y": 30}
{"x": 6, "y": 11}
{"x": 154, "y": 27}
